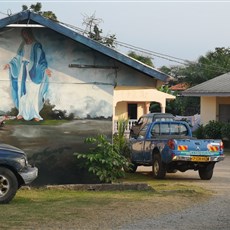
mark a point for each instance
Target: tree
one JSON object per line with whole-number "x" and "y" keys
{"x": 36, "y": 8}
{"x": 213, "y": 64}
{"x": 208, "y": 66}
{"x": 143, "y": 59}
{"x": 93, "y": 31}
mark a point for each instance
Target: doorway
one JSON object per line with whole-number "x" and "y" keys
{"x": 132, "y": 111}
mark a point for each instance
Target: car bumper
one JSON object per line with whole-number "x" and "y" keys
{"x": 202, "y": 158}
{"x": 29, "y": 174}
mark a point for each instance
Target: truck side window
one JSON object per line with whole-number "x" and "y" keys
{"x": 155, "y": 130}
{"x": 164, "y": 129}
{"x": 183, "y": 130}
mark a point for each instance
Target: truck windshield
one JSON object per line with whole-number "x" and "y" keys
{"x": 169, "y": 129}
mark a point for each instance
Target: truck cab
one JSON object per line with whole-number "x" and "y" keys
{"x": 146, "y": 119}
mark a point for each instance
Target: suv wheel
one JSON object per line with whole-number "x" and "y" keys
{"x": 8, "y": 185}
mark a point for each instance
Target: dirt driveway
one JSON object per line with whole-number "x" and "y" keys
{"x": 212, "y": 214}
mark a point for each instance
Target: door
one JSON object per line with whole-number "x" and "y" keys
{"x": 224, "y": 113}
{"x": 132, "y": 111}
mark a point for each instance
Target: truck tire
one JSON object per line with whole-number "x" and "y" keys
{"x": 158, "y": 168}
{"x": 8, "y": 185}
{"x": 206, "y": 173}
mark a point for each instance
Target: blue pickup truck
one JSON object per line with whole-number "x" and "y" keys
{"x": 169, "y": 146}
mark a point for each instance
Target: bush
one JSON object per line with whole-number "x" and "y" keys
{"x": 213, "y": 130}
{"x": 104, "y": 159}
{"x": 119, "y": 139}
{"x": 200, "y": 132}
{"x": 225, "y": 131}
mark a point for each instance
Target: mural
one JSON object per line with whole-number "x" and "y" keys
{"x": 52, "y": 96}
{"x": 29, "y": 72}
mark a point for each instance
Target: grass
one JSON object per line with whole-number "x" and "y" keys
{"x": 32, "y": 206}
{"x": 40, "y": 208}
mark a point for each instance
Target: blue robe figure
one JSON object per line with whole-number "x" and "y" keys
{"x": 29, "y": 77}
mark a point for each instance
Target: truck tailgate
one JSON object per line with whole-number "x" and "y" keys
{"x": 204, "y": 150}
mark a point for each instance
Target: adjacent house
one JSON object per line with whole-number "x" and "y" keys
{"x": 48, "y": 65}
{"x": 214, "y": 98}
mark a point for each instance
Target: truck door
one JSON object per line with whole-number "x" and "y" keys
{"x": 137, "y": 146}
{"x": 149, "y": 141}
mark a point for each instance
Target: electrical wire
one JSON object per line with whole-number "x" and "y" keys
{"x": 153, "y": 54}
{"x": 149, "y": 53}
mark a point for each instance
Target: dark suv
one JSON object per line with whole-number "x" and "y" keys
{"x": 15, "y": 171}
{"x": 146, "y": 119}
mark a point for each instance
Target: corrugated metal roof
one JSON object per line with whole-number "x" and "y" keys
{"x": 218, "y": 86}
{"x": 31, "y": 18}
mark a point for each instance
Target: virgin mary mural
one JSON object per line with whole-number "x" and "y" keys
{"x": 29, "y": 74}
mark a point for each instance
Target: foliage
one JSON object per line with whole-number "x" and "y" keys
{"x": 119, "y": 139}
{"x": 184, "y": 106}
{"x": 93, "y": 31}
{"x": 211, "y": 65}
{"x": 36, "y": 8}
{"x": 213, "y": 129}
{"x": 104, "y": 159}
{"x": 225, "y": 131}
{"x": 48, "y": 112}
{"x": 200, "y": 132}
{"x": 143, "y": 59}
{"x": 12, "y": 112}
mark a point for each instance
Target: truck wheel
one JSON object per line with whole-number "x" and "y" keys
{"x": 8, "y": 185}
{"x": 158, "y": 167}
{"x": 206, "y": 173}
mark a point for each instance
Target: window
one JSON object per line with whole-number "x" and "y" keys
{"x": 169, "y": 129}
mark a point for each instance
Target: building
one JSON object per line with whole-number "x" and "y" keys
{"x": 46, "y": 63}
{"x": 214, "y": 98}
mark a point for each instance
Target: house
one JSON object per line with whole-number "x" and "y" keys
{"x": 48, "y": 64}
{"x": 214, "y": 98}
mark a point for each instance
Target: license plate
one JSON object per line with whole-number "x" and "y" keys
{"x": 200, "y": 159}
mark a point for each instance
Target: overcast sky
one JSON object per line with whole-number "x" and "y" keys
{"x": 181, "y": 29}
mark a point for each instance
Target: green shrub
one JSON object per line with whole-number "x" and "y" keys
{"x": 104, "y": 159}
{"x": 225, "y": 131}
{"x": 119, "y": 139}
{"x": 200, "y": 132}
{"x": 213, "y": 129}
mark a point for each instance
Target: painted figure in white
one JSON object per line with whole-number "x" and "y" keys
{"x": 29, "y": 74}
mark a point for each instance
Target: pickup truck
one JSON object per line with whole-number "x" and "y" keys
{"x": 14, "y": 171}
{"x": 169, "y": 146}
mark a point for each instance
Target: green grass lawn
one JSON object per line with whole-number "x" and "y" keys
{"x": 34, "y": 206}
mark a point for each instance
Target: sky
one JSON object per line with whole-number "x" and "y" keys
{"x": 177, "y": 31}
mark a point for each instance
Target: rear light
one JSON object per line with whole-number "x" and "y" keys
{"x": 171, "y": 144}
{"x": 221, "y": 146}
